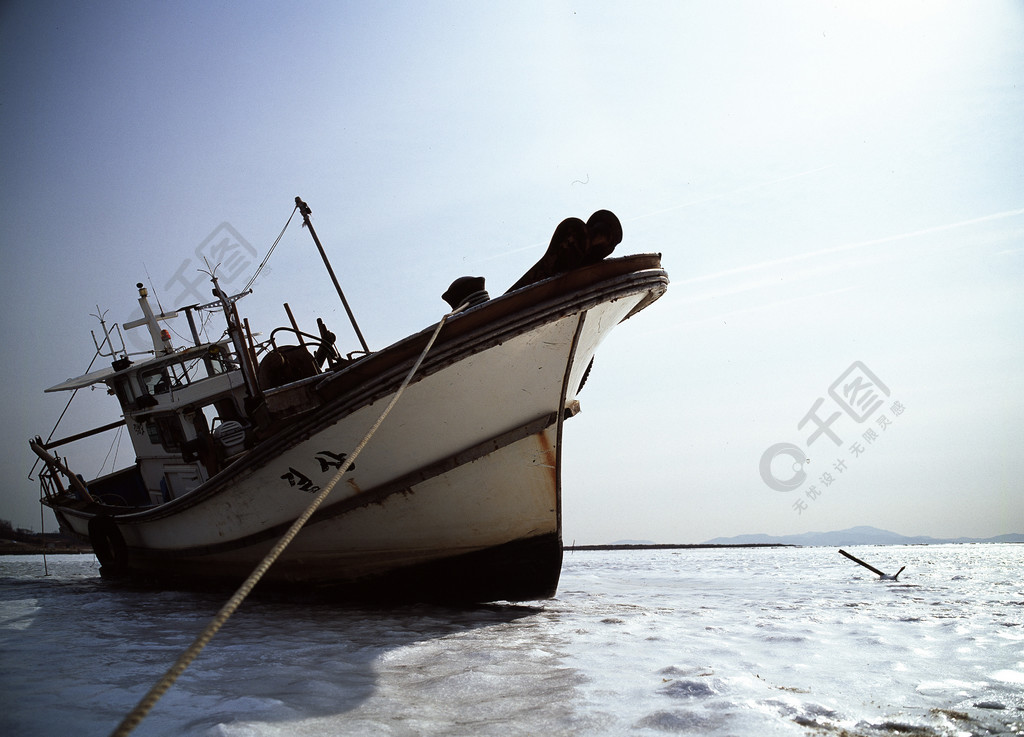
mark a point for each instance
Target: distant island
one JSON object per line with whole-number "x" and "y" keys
{"x": 28, "y": 542}
{"x": 862, "y": 535}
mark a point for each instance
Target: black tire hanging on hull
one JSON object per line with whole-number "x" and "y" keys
{"x": 109, "y": 546}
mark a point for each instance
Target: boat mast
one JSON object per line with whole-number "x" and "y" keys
{"x": 306, "y": 212}
{"x": 237, "y": 339}
{"x": 161, "y": 338}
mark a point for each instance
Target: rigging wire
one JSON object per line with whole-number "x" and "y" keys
{"x": 114, "y": 445}
{"x": 113, "y": 463}
{"x": 42, "y": 532}
{"x": 271, "y": 251}
{"x": 152, "y": 286}
{"x": 63, "y": 412}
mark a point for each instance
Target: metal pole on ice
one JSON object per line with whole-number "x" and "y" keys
{"x": 872, "y": 568}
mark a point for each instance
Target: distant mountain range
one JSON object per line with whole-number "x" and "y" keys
{"x": 856, "y": 536}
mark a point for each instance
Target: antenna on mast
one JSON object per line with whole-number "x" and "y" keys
{"x": 119, "y": 354}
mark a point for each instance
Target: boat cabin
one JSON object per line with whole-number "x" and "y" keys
{"x": 190, "y": 412}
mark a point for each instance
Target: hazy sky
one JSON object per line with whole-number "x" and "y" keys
{"x": 837, "y": 190}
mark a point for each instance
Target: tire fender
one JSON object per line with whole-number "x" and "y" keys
{"x": 108, "y": 544}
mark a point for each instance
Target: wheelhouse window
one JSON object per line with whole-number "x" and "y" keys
{"x": 218, "y": 360}
{"x": 125, "y": 394}
{"x": 180, "y": 374}
{"x": 165, "y": 431}
{"x": 157, "y": 381}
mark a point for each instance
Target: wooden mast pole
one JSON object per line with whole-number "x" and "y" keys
{"x": 304, "y": 209}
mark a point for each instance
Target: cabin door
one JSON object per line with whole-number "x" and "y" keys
{"x": 182, "y": 479}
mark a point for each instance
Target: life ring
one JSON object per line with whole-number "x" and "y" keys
{"x": 108, "y": 545}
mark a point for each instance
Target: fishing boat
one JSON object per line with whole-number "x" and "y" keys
{"x": 456, "y": 497}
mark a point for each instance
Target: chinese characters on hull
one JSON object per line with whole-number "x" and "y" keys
{"x": 327, "y": 461}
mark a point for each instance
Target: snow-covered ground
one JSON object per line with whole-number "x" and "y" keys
{"x": 710, "y": 642}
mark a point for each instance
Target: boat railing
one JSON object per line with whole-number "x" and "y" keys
{"x": 50, "y": 487}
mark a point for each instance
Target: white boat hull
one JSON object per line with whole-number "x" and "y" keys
{"x": 457, "y": 494}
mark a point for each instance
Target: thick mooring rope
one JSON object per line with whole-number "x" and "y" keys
{"x": 148, "y": 701}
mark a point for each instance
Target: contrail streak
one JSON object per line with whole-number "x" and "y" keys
{"x": 860, "y": 244}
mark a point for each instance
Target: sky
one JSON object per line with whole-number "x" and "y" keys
{"x": 837, "y": 190}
